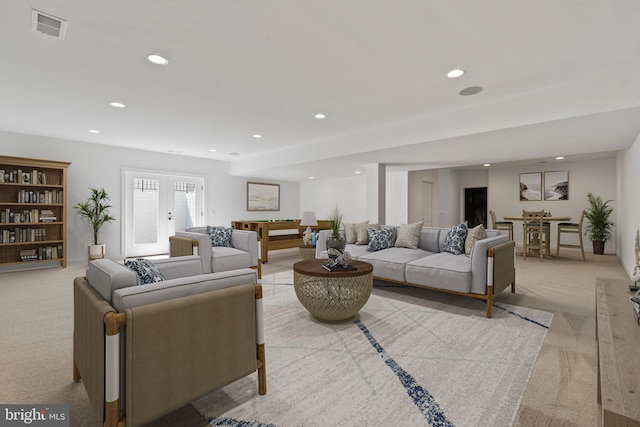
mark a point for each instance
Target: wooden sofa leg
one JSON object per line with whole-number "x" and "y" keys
{"x": 262, "y": 370}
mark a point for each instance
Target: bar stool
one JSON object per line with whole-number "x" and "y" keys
{"x": 501, "y": 225}
{"x": 536, "y": 233}
{"x": 571, "y": 227}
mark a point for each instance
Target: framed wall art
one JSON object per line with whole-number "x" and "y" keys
{"x": 531, "y": 186}
{"x": 263, "y": 197}
{"x": 556, "y": 185}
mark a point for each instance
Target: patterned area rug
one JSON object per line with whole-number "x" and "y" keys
{"x": 411, "y": 357}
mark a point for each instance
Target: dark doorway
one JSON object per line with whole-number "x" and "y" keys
{"x": 475, "y": 206}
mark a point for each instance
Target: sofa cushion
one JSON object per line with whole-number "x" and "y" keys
{"x": 430, "y": 239}
{"x": 380, "y": 238}
{"x": 145, "y": 270}
{"x": 390, "y": 263}
{"x": 350, "y": 231}
{"x": 454, "y": 242}
{"x": 220, "y": 236}
{"x": 225, "y": 258}
{"x": 443, "y": 270}
{"x": 409, "y": 235}
{"x": 473, "y": 235}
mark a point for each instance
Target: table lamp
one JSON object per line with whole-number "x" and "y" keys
{"x": 308, "y": 220}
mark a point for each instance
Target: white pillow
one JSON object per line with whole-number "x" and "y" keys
{"x": 475, "y": 234}
{"x": 362, "y": 236}
{"x": 409, "y": 235}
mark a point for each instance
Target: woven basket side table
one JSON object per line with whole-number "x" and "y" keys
{"x": 332, "y": 296}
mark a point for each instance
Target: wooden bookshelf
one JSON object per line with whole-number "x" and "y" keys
{"x": 33, "y": 212}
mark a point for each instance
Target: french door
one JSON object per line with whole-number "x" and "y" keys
{"x": 157, "y": 206}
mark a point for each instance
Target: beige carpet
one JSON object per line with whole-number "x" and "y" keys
{"x": 36, "y": 330}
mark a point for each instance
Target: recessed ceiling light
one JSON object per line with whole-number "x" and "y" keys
{"x": 213, "y": 150}
{"x": 157, "y": 59}
{"x": 487, "y": 165}
{"x": 455, "y": 73}
{"x": 312, "y": 177}
{"x": 174, "y": 151}
{"x": 94, "y": 131}
{"x": 357, "y": 172}
{"x": 560, "y": 158}
{"x": 472, "y": 90}
{"x": 320, "y": 116}
{"x": 118, "y": 104}
{"x": 257, "y": 136}
{"x": 234, "y": 154}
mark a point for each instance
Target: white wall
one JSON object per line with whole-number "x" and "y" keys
{"x": 397, "y": 197}
{"x": 101, "y": 165}
{"x": 628, "y": 196}
{"x": 349, "y": 194}
{"x": 597, "y": 176}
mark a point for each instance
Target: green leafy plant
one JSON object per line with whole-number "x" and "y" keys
{"x": 600, "y": 226}
{"x": 95, "y": 210}
{"x": 336, "y": 221}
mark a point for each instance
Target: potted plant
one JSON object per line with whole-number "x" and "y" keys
{"x": 95, "y": 210}
{"x": 600, "y": 226}
{"x": 336, "y": 239}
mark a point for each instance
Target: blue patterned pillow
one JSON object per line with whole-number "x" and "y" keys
{"x": 380, "y": 238}
{"x": 454, "y": 242}
{"x": 146, "y": 271}
{"x": 220, "y": 236}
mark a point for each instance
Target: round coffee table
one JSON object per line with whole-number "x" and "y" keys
{"x": 332, "y": 296}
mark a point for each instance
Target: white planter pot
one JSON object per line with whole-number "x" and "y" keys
{"x": 96, "y": 251}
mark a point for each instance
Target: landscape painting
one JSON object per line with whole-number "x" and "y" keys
{"x": 556, "y": 185}
{"x": 263, "y": 197}
{"x": 531, "y": 186}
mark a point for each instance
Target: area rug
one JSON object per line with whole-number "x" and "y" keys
{"x": 411, "y": 357}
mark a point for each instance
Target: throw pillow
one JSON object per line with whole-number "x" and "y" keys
{"x": 380, "y": 238}
{"x": 454, "y": 242}
{"x": 362, "y": 237}
{"x": 350, "y": 231}
{"x": 475, "y": 234}
{"x": 220, "y": 236}
{"x": 146, "y": 271}
{"x": 409, "y": 235}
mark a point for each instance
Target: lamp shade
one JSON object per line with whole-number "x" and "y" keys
{"x": 308, "y": 218}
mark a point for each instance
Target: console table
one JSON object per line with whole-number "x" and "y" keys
{"x": 291, "y": 236}
{"x": 618, "y": 338}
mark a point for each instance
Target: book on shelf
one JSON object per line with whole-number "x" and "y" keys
{"x": 339, "y": 267}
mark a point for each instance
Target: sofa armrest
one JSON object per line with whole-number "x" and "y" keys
{"x": 182, "y": 246}
{"x": 504, "y": 269}
{"x": 247, "y": 241}
{"x": 479, "y": 262}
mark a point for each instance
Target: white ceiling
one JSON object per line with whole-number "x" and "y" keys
{"x": 558, "y": 78}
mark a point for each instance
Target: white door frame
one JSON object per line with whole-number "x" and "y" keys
{"x": 164, "y": 223}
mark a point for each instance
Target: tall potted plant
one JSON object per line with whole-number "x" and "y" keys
{"x": 95, "y": 211}
{"x": 600, "y": 226}
{"x": 336, "y": 240}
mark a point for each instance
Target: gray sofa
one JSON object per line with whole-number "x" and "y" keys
{"x": 196, "y": 241}
{"x": 142, "y": 351}
{"x": 487, "y": 272}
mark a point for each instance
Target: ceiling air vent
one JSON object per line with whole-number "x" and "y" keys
{"x": 48, "y": 24}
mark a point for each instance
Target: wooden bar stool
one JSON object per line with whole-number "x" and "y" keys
{"x": 501, "y": 225}
{"x": 536, "y": 233}
{"x": 573, "y": 228}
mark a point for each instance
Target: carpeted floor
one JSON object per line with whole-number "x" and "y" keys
{"x": 36, "y": 332}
